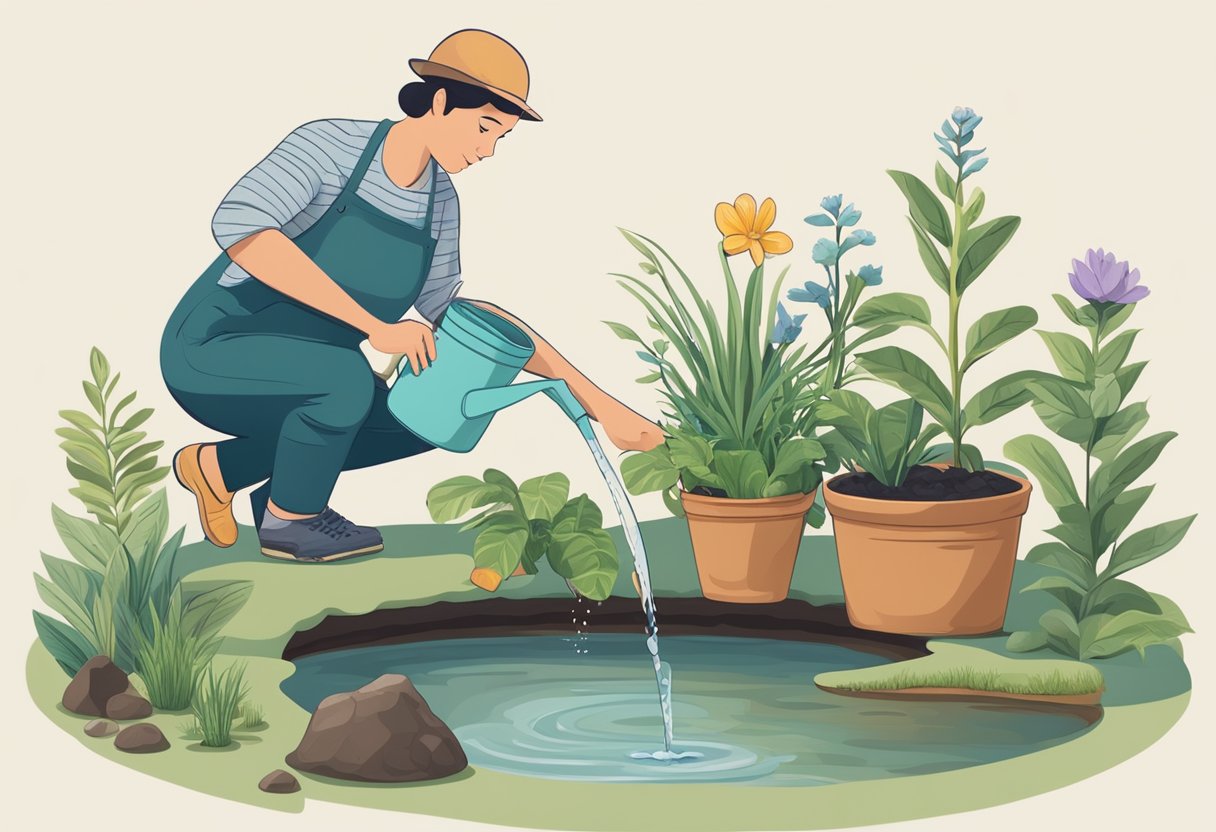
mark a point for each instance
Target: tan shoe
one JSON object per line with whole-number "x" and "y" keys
{"x": 215, "y": 514}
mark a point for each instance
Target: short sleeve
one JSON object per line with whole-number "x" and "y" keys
{"x": 443, "y": 281}
{"x": 277, "y": 189}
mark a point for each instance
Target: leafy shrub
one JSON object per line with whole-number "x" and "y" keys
{"x": 1101, "y": 613}
{"x": 525, "y": 522}
{"x": 115, "y": 596}
{"x": 885, "y": 442}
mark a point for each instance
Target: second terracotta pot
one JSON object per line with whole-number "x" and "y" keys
{"x": 745, "y": 549}
{"x": 927, "y": 568}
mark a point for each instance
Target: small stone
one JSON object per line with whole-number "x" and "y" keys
{"x": 100, "y": 728}
{"x": 141, "y": 738}
{"x": 94, "y": 684}
{"x": 279, "y": 782}
{"x": 128, "y": 705}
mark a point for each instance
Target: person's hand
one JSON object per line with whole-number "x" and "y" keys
{"x": 629, "y": 430}
{"x": 413, "y": 339}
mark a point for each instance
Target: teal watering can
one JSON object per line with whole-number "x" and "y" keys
{"x": 477, "y": 357}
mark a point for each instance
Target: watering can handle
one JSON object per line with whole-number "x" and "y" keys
{"x": 487, "y": 400}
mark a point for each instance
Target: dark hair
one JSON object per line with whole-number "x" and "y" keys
{"x": 417, "y": 97}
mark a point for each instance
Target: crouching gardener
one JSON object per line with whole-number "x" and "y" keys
{"x": 344, "y": 227}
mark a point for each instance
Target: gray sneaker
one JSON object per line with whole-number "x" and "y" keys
{"x": 327, "y": 537}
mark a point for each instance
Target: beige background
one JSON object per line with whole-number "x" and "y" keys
{"x": 127, "y": 123}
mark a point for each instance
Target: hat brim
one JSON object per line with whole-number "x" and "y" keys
{"x": 423, "y": 68}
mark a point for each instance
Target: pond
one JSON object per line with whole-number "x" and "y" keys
{"x": 579, "y": 707}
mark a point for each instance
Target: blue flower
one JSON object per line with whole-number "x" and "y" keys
{"x": 962, "y": 114}
{"x": 849, "y": 216}
{"x": 786, "y": 328}
{"x": 819, "y": 219}
{"x": 825, "y": 252}
{"x": 811, "y": 292}
{"x": 870, "y": 275}
{"x": 860, "y": 237}
{"x": 831, "y": 204}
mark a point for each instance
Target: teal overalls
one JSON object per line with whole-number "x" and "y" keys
{"x": 288, "y": 382}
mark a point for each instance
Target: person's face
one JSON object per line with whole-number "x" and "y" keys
{"x": 464, "y": 137}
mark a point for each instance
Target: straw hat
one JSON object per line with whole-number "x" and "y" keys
{"x": 478, "y": 57}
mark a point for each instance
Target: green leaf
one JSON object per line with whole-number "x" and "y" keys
{"x": 69, "y": 648}
{"x": 99, "y": 367}
{"x": 1112, "y": 478}
{"x": 1113, "y": 520}
{"x": 1127, "y": 376}
{"x": 995, "y": 328}
{"x": 931, "y": 257}
{"x": 624, "y": 332}
{"x": 588, "y": 560}
{"x": 493, "y": 476}
{"x": 974, "y": 207}
{"x": 94, "y": 396}
{"x": 1105, "y": 398}
{"x": 61, "y": 600}
{"x": 580, "y": 514}
{"x": 648, "y": 471}
{"x": 925, "y": 208}
{"x": 1116, "y": 596}
{"x": 501, "y": 543}
{"x": 1058, "y": 556}
{"x": 81, "y": 420}
{"x": 1119, "y": 429}
{"x": 206, "y": 612}
{"x": 1071, "y": 312}
{"x": 1040, "y": 458}
{"x": 1002, "y": 397}
{"x": 544, "y": 496}
{"x": 671, "y": 499}
{"x": 691, "y": 452}
{"x": 1132, "y": 629}
{"x": 1059, "y": 582}
{"x": 1071, "y": 356}
{"x": 453, "y": 497}
{"x": 909, "y": 373}
{"x": 1024, "y": 641}
{"x": 987, "y": 240}
{"x": 1062, "y": 629}
{"x": 1115, "y": 352}
{"x": 945, "y": 182}
{"x": 893, "y": 309}
{"x": 743, "y": 473}
{"x": 1147, "y": 545}
{"x": 1063, "y": 408}
{"x": 91, "y": 544}
{"x": 137, "y": 419}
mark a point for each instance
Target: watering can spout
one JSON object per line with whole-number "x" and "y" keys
{"x": 488, "y": 400}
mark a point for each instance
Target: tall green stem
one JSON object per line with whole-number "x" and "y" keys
{"x": 956, "y": 375}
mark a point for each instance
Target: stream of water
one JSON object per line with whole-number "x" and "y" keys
{"x": 633, "y": 537}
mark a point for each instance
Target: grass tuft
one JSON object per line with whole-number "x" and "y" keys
{"x": 252, "y": 717}
{"x": 217, "y": 704}
{"x": 1056, "y": 683}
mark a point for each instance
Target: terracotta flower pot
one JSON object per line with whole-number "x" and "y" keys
{"x": 927, "y": 568}
{"x": 745, "y": 549}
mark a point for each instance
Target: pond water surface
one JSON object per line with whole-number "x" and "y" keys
{"x": 747, "y": 707}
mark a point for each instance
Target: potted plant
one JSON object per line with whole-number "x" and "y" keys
{"x": 740, "y": 461}
{"x": 934, "y": 552}
{"x": 521, "y": 523}
{"x": 1100, "y": 613}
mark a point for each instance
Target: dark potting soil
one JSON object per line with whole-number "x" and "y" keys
{"x": 708, "y": 491}
{"x": 925, "y": 484}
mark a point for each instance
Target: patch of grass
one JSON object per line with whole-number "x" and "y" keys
{"x": 253, "y": 717}
{"x": 171, "y": 662}
{"x": 217, "y": 702}
{"x": 1056, "y": 683}
{"x": 190, "y": 730}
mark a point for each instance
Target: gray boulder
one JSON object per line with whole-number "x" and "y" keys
{"x": 97, "y": 681}
{"x": 384, "y": 732}
{"x": 279, "y": 782}
{"x": 141, "y": 738}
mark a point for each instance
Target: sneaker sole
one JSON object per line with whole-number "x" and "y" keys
{"x": 280, "y": 555}
{"x": 194, "y": 488}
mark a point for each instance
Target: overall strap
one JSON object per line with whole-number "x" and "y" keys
{"x": 365, "y": 160}
{"x": 430, "y": 202}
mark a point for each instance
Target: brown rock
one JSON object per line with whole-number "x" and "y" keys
{"x": 383, "y": 732}
{"x": 279, "y": 782}
{"x": 94, "y": 684}
{"x": 128, "y": 705}
{"x": 141, "y": 738}
{"x": 100, "y": 728}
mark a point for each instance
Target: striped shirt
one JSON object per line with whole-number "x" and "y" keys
{"x": 293, "y": 186}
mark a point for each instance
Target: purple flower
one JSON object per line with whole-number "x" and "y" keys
{"x": 1103, "y": 280}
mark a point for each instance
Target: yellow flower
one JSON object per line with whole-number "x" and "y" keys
{"x": 745, "y": 229}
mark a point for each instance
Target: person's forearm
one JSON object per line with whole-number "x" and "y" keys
{"x": 549, "y": 363}
{"x": 274, "y": 259}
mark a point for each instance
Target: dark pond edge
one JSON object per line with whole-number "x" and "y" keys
{"x": 1081, "y": 706}
{"x": 790, "y": 619}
